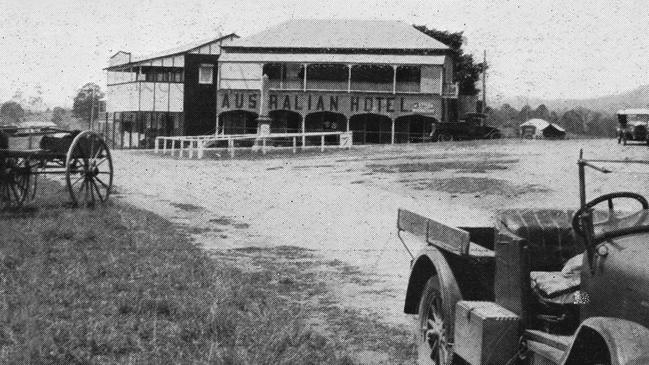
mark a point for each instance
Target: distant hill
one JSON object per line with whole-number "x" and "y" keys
{"x": 636, "y": 98}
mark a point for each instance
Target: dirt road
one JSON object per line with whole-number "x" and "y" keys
{"x": 343, "y": 204}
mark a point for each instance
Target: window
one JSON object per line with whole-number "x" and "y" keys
{"x": 205, "y": 74}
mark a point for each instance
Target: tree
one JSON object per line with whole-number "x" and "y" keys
{"x": 466, "y": 71}
{"x": 57, "y": 115}
{"x": 12, "y": 112}
{"x": 525, "y": 113}
{"x": 86, "y": 103}
{"x": 542, "y": 112}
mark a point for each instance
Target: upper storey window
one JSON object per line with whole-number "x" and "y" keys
{"x": 206, "y": 74}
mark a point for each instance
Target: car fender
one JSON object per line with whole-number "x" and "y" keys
{"x": 428, "y": 262}
{"x": 627, "y": 342}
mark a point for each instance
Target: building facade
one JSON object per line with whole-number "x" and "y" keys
{"x": 383, "y": 80}
{"x": 165, "y": 94}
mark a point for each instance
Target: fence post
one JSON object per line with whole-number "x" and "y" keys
{"x": 322, "y": 143}
{"x": 155, "y": 144}
{"x": 303, "y": 141}
{"x": 263, "y": 146}
{"x": 201, "y": 148}
{"x": 231, "y": 147}
{"x": 173, "y": 146}
{"x": 294, "y": 144}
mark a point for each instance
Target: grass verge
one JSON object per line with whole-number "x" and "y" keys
{"x": 119, "y": 285}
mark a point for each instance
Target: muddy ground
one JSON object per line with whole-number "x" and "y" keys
{"x": 342, "y": 205}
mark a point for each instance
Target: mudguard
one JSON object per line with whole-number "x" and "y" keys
{"x": 428, "y": 262}
{"x": 627, "y": 342}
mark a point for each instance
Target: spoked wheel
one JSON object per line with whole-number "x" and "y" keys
{"x": 445, "y": 137}
{"x": 88, "y": 169}
{"x": 434, "y": 341}
{"x": 15, "y": 182}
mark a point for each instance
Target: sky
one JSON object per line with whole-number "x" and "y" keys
{"x": 537, "y": 49}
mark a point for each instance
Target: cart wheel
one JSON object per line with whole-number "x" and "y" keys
{"x": 15, "y": 180}
{"x": 88, "y": 169}
{"x": 434, "y": 341}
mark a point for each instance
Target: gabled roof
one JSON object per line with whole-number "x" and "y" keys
{"x": 174, "y": 51}
{"x": 341, "y": 34}
{"x": 541, "y": 124}
{"x": 633, "y": 111}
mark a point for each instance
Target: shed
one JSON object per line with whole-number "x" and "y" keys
{"x": 539, "y": 128}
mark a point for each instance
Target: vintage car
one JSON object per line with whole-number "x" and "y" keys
{"x": 543, "y": 286}
{"x": 471, "y": 126}
{"x": 632, "y": 125}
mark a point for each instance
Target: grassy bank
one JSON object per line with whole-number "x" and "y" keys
{"x": 120, "y": 285}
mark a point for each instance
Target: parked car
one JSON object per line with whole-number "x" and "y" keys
{"x": 472, "y": 126}
{"x": 544, "y": 286}
{"x": 632, "y": 125}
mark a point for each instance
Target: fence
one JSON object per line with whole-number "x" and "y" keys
{"x": 197, "y": 145}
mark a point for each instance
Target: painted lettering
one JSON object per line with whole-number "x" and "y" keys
{"x": 225, "y": 104}
{"x": 379, "y": 102}
{"x": 238, "y": 101}
{"x": 320, "y": 105}
{"x": 354, "y": 104}
{"x": 297, "y": 103}
{"x": 333, "y": 103}
{"x": 272, "y": 102}
{"x": 389, "y": 105}
{"x": 252, "y": 101}
{"x": 287, "y": 103}
{"x": 369, "y": 104}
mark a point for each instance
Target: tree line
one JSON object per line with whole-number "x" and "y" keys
{"x": 85, "y": 106}
{"x": 580, "y": 120}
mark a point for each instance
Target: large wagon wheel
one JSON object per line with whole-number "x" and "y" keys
{"x": 15, "y": 178}
{"x": 88, "y": 169}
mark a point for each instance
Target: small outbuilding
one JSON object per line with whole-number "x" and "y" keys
{"x": 539, "y": 128}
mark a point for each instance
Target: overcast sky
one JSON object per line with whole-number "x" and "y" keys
{"x": 538, "y": 48}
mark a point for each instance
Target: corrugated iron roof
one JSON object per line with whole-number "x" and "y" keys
{"x": 341, "y": 34}
{"x": 174, "y": 51}
{"x": 633, "y": 111}
{"x": 541, "y": 124}
{"x": 333, "y": 58}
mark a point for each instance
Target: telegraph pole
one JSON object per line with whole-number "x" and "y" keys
{"x": 484, "y": 81}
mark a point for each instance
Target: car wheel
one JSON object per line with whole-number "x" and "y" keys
{"x": 445, "y": 137}
{"x": 434, "y": 342}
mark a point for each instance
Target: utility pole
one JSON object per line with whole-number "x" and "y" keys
{"x": 484, "y": 82}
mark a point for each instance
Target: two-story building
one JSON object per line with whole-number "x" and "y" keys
{"x": 164, "y": 94}
{"x": 383, "y": 80}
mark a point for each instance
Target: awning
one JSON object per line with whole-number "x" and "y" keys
{"x": 332, "y": 58}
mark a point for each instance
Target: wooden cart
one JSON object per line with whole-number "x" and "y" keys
{"x": 83, "y": 158}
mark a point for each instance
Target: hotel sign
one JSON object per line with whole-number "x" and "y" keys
{"x": 344, "y": 103}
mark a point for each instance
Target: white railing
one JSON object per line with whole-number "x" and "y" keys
{"x": 197, "y": 145}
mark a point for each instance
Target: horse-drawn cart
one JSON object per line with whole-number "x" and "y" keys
{"x": 82, "y": 158}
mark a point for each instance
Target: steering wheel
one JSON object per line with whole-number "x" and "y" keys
{"x": 612, "y": 218}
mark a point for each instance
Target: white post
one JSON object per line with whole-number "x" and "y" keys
{"x": 394, "y": 79}
{"x": 393, "y": 122}
{"x": 303, "y": 131}
{"x": 155, "y": 145}
{"x": 231, "y": 146}
{"x": 322, "y": 143}
{"x": 182, "y": 148}
{"x": 349, "y": 78}
{"x": 294, "y": 144}
{"x": 263, "y": 146}
{"x": 304, "y": 85}
{"x": 173, "y": 146}
{"x": 201, "y": 148}
{"x": 164, "y": 146}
